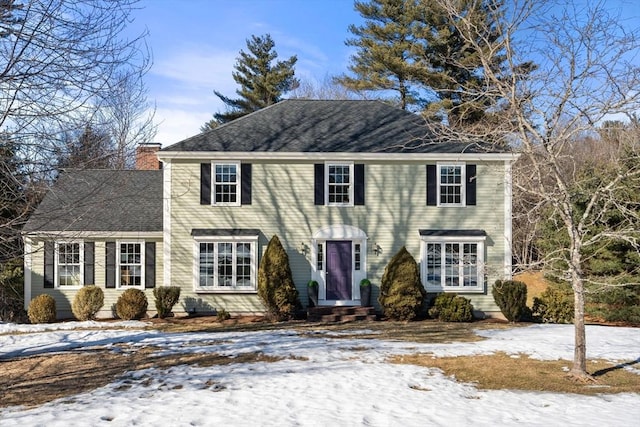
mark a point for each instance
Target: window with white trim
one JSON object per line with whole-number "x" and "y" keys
{"x": 453, "y": 264}
{"x": 339, "y": 184}
{"x": 226, "y": 184}
{"x": 69, "y": 264}
{"x": 451, "y": 185}
{"x": 130, "y": 256}
{"x": 226, "y": 264}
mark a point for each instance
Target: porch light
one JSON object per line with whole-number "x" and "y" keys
{"x": 304, "y": 249}
{"x": 376, "y": 249}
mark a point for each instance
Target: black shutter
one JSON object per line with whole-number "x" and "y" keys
{"x": 110, "y": 262}
{"x": 205, "y": 183}
{"x": 432, "y": 185}
{"x": 150, "y": 265}
{"x": 470, "y": 197}
{"x": 49, "y": 260}
{"x": 89, "y": 269}
{"x": 358, "y": 188}
{"x": 245, "y": 185}
{"x": 318, "y": 169}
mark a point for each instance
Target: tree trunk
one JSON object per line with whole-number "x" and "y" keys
{"x": 579, "y": 368}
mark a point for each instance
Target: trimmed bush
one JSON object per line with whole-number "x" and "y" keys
{"x": 165, "y": 298}
{"x": 275, "y": 283}
{"x": 555, "y": 305}
{"x": 131, "y": 304}
{"x": 401, "y": 292}
{"x": 511, "y": 297}
{"x": 42, "y": 309}
{"x": 87, "y": 302}
{"x": 451, "y": 308}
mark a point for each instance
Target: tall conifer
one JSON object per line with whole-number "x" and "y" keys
{"x": 262, "y": 80}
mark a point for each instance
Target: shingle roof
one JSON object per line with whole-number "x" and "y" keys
{"x": 323, "y": 126}
{"x": 101, "y": 201}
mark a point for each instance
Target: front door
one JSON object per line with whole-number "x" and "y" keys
{"x": 339, "y": 267}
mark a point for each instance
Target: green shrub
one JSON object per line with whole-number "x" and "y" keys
{"x": 451, "y": 307}
{"x": 615, "y": 304}
{"x": 87, "y": 302}
{"x": 511, "y": 297}
{"x": 165, "y": 298}
{"x": 222, "y": 315}
{"x": 401, "y": 292}
{"x": 131, "y": 304}
{"x": 555, "y": 305}
{"x": 275, "y": 283}
{"x": 42, "y": 309}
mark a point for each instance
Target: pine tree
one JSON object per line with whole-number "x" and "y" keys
{"x": 262, "y": 79}
{"x": 413, "y": 47}
{"x": 385, "y": 59}
{"x": 453, "y": 66}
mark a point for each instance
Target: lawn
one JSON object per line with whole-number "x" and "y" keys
{"x": 378, "y": 373}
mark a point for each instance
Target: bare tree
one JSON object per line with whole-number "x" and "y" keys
{"x": 586, "y": 72}
{"x": 62, "y": 66}
{"x": 325, "y": 89}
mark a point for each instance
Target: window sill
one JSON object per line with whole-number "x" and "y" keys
{"x": 225, "y": 291}
{"x": 458, "y": 290}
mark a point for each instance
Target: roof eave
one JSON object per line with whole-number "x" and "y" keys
{"x": 169, "y": 156}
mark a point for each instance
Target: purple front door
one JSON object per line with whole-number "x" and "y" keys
{"x": 339, "y": 270}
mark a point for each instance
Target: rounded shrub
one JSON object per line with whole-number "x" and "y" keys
{"x": 131, "y": 304}
{"x": 401, "y": 292}
{"x": 275, "y": 283}
{"x": 165, "y": 298}
{"x": 511, "y": 298}
{"x": 87, "y": 302}
{"x": 42, "y": 309}
{"x": 451, "y": 308}
{"x": 555, "y": 305}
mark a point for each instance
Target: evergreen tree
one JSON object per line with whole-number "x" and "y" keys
{"x": 93, "y": 149}
{"x": 401, "y": 292}
{"x": 453, "y": 66}
{"x": 385, "y": 58}
{"x": 275, "y": 282}
{"x": 262, "y": 80}
{"x": 414, "y": 48}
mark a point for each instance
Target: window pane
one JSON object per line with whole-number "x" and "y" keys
{"x": 243, "y": 264}
{"x": 130, "y": 264}
{"x": 69, "y": 264}
{"x": 434, "y": 264}
{"x": 339, "y": 184}
{"x": 206, "y": 264}
{"x": 452, "y": 264}
{"x": 470, "y": 264}
{"x": 320, "y": 260}
{"x": 225, "y": 264}
{"x": 226, "y": 183}
{"x": 451, "y": 184}
{"x": 357, "y": 256}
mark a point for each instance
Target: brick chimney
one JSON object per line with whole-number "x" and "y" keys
{"x": 146, "y": 158}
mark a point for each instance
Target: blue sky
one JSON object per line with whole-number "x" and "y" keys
{"x": 195, "y": 44}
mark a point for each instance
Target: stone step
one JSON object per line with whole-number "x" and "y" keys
{"x": 340, "y": 314}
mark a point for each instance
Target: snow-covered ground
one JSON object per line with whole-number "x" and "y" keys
{"x": 320, "y": 382}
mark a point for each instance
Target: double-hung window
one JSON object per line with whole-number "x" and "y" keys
{"x": 226, "y": 263}
{"x": 339, "y": 184}
{"x": 130, "y": 256}
{"x": 451, "y": 185}
{"x": 226, "y": 180}
{"x": 69, "y": 264}
{"x": 453, "y": 262}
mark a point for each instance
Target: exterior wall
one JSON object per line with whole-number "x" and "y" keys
{"x": 64, "y": 297}
{"x": 283, "y": 205}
